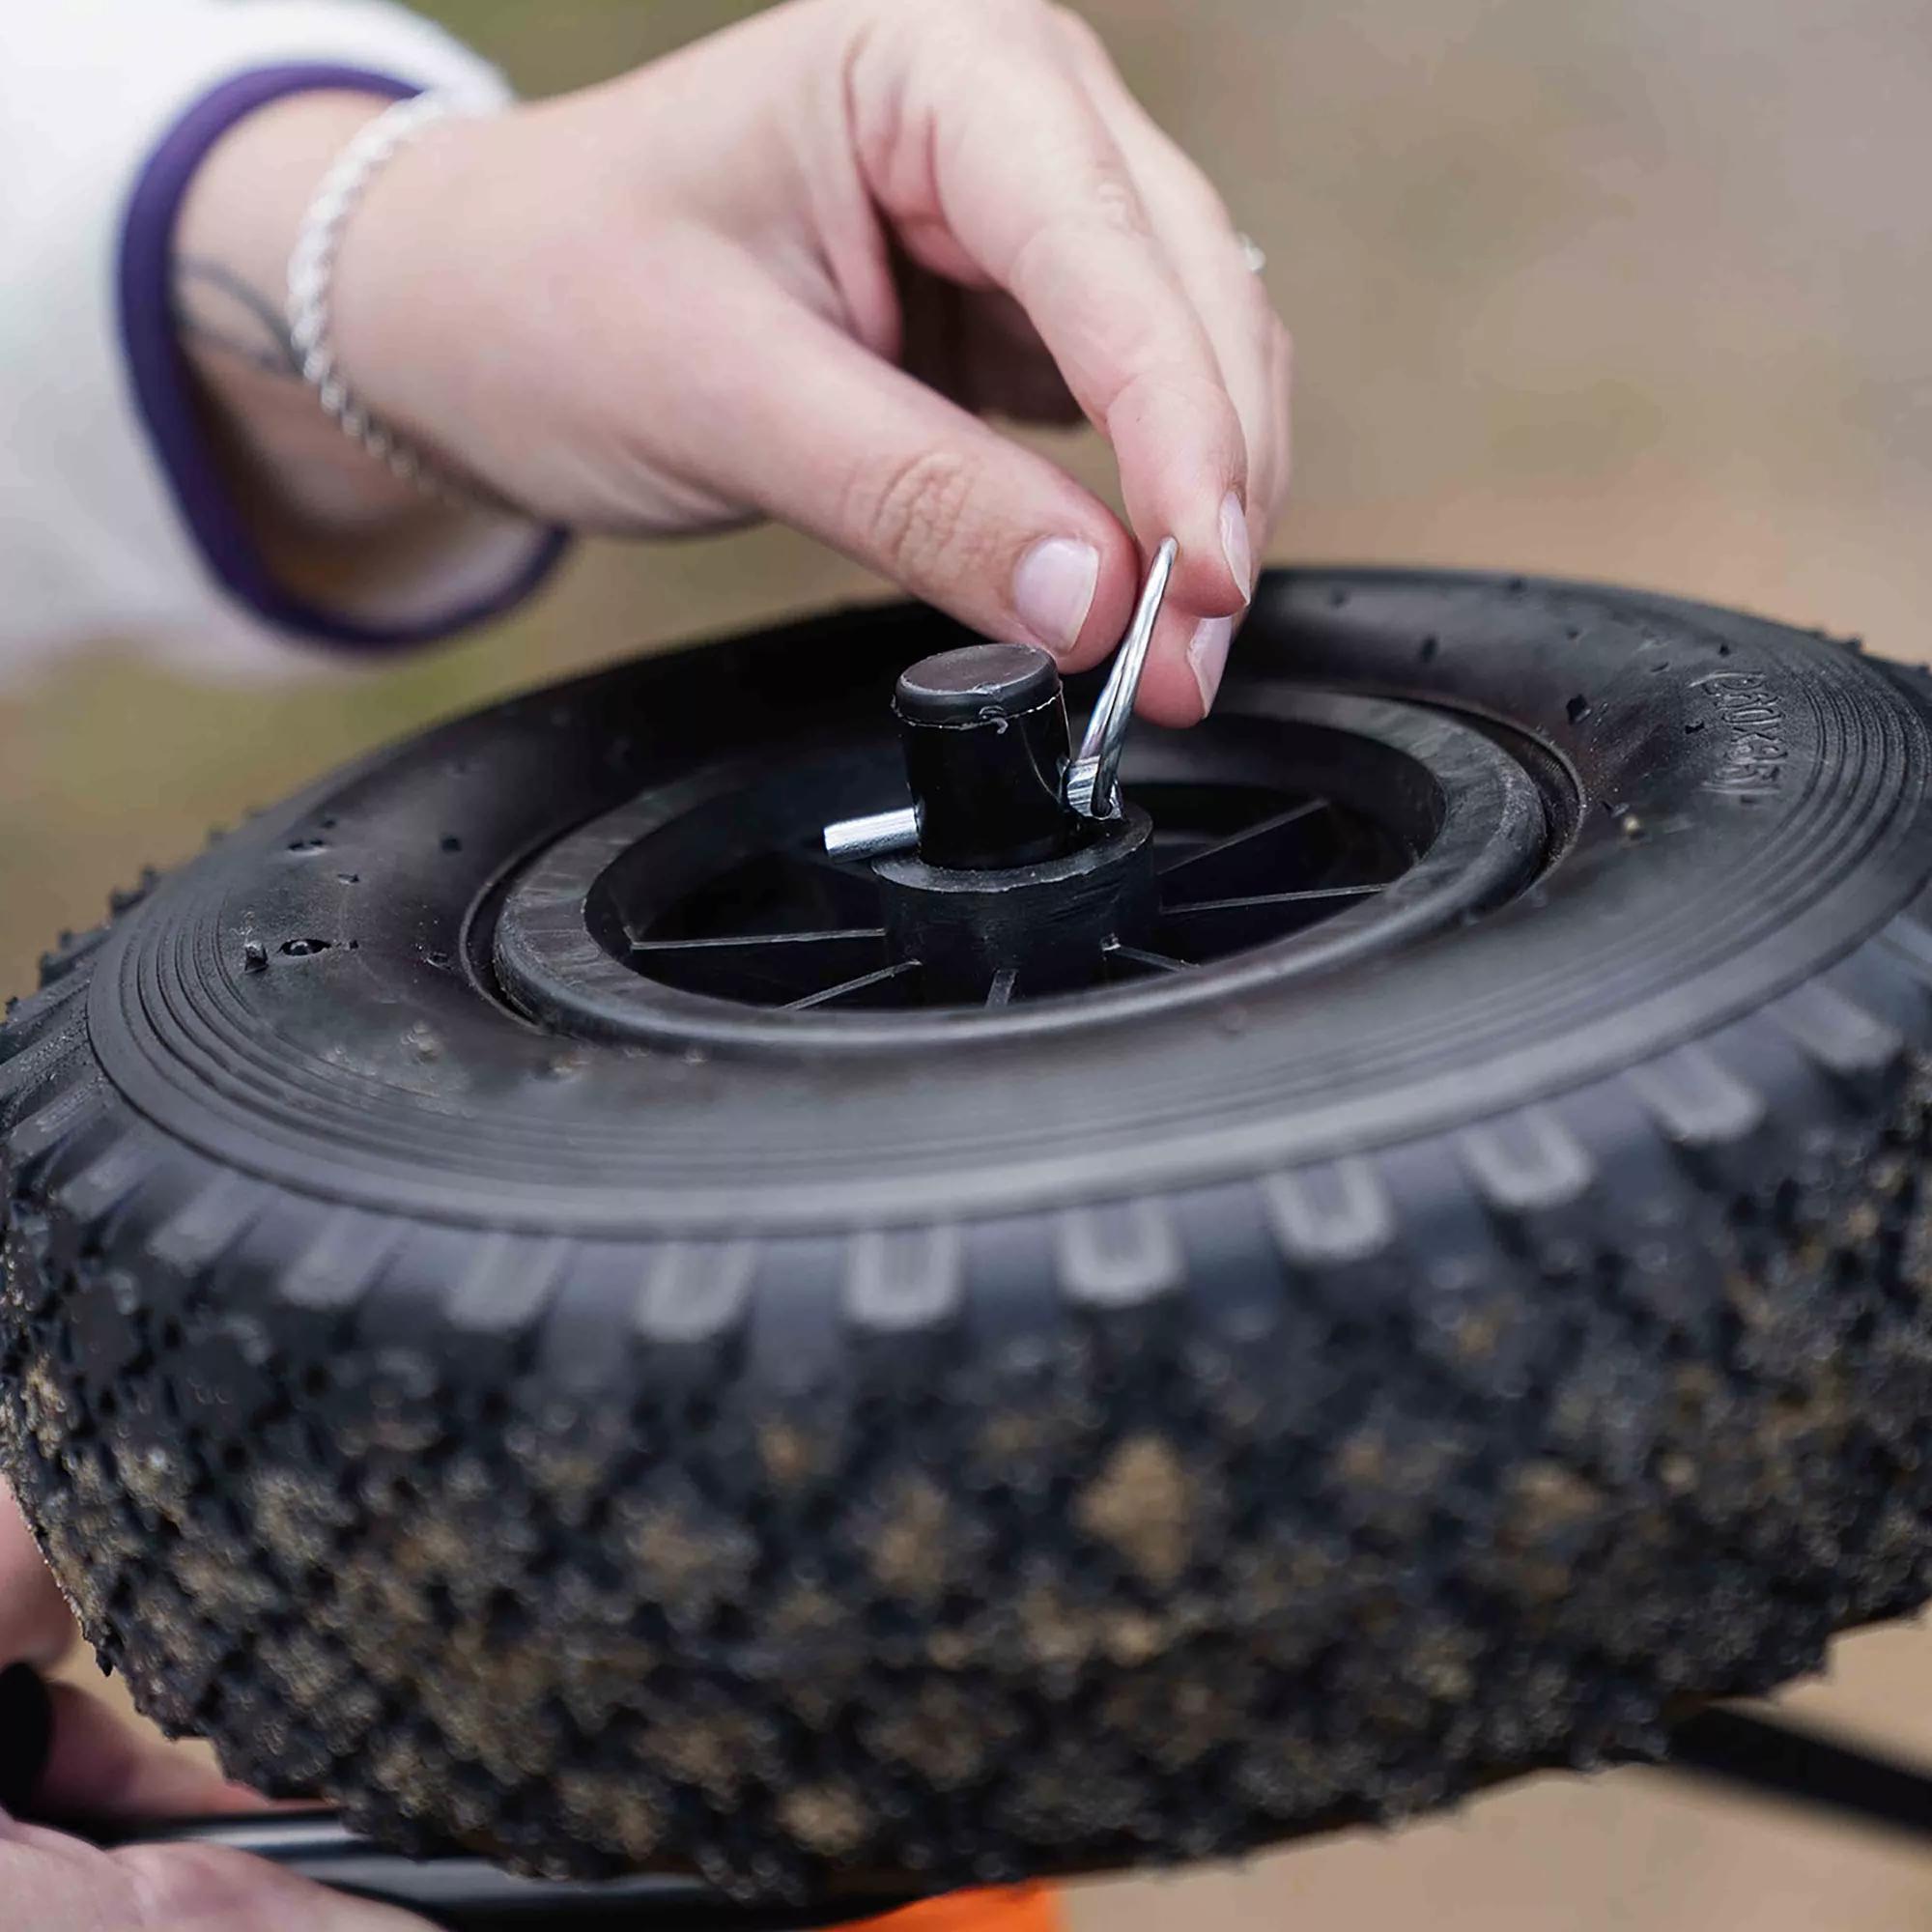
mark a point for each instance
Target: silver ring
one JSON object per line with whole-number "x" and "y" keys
{"x": 1253, "y": 254}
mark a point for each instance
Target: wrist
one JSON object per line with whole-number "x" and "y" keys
{"x": 298, "y": 522}
{"x": 229, "y": 273}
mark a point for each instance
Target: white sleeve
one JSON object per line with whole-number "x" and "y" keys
{"x": 100, "y": 534}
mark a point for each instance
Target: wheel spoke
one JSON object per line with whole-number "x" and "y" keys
{"x": 794, "y": 929}
{"x": 844, "y": 935}
{"x": 1210, "y": 928}
{"x": 1261, "y": 851}
{"x": 1248, "y": 900}
{"x": 1140, "y": 955}
{"x": 846, "y": 987}
{"x": 766, "y": 968}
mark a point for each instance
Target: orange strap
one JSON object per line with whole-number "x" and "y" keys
{"x": 1025, "y": 1907}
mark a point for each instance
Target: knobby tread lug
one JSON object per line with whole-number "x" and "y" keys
{"x": 35, "y": 1062}
{"x": 1838, "y": 1035}
{"x": 209, "y": 1222}
{"x": 106, "y": 1182}
{"x": 1119, "y": 1255}
{"x": 37, "y": 1134}
{"x": 1697, "y": 1102}
{"x": 1527, "y": 1163}
{"x": 76, "y": 949}
{"x": 74, "y": 952}
{"x": 904, "y": 1280}
{"x": 1909, "y": 939}
{"x": 510, "y": 1279}
{"x": 28, "y": 1018}
{"x": 124, "y": 898}
{"x": 338, "y": 1265}
{"x": 1331, "y": 1216}
{"x": 696, "y": 1291}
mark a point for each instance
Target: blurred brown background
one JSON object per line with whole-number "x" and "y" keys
{"x": 1633, "y": 289}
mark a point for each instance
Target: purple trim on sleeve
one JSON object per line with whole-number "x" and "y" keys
{"x": 164, "y": 387}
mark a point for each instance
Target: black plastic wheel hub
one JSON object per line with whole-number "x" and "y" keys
{"x": 1055, "y": 924}
{"x": 1008, "y": 884}
{"x": 1293, "y": 832}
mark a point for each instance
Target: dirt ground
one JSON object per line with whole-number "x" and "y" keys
{"x": 1626, "y": 289}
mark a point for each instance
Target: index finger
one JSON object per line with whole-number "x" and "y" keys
{"x": 1034, "y": 191}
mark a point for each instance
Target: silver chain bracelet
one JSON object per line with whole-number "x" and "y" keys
{"x": 312, "y": 287}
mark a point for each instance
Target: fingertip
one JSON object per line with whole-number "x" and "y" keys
{"x": 1238, "y": 551}
{"x": 1207, "y": 657}
{"x": 1212, "y": 577}
{"x": 1054, "y": 587}
{"x": 1110, "y": 605}
{"x": 1213, "y": 569}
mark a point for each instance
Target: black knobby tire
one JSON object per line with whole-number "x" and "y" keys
{"x": 1135, "y": 1427}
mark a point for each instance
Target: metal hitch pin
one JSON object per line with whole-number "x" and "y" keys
{"x": 1092, "y": 788}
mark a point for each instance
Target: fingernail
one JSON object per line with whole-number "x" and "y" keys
{"x": 1208, "y": 655}
{"x": 1052, "y": 590}
{"x": 1234, "y": 545}
{"x": 26, "y": 1734}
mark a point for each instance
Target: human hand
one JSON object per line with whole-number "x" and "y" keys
{"x": 777, "y": 274}
{"x": 63, "y": 1755}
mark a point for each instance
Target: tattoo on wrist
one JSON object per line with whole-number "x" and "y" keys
{"x": 215, "y": 306}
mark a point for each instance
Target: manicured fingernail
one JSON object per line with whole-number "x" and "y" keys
{"x": 1234, "y": 545}
{"x": 26, "y": 1734}
{"x": 1052, "y": 590}
{"x": 1208, "y": 655}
